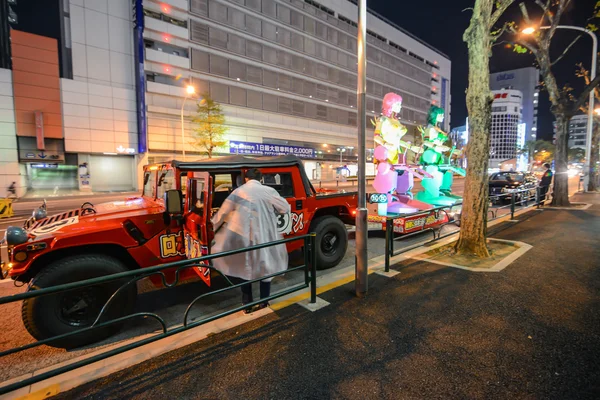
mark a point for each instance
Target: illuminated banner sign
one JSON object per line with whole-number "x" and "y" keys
{"x": 444, "y": 90}
{"x": 505, "y": 77}
{"x": 267, "y": 149}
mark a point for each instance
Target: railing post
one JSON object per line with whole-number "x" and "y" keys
{"x": 313, "y": 268}
{"x": 512, "y": 205}
{"x": 307, "y": 259}
{"x": 388, "y": 240}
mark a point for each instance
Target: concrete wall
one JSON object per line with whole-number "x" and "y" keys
{"x": 99, "y": 107}
{"x": 9, "y": 163}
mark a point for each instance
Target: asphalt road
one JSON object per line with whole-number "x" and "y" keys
{"x": 168, "y": 303}
{"x": 530, "y": 331}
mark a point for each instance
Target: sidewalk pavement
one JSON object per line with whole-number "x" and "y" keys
{"x": 529, "y": 331}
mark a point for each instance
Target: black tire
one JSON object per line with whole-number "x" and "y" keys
{"x": 60, "y": 313}
{"x": 332, "y": 241}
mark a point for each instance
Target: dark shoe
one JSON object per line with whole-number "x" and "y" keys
{"x": 263, "y": 305}
{"x": 249, "y": 310}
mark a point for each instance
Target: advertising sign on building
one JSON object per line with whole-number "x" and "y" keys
{"x": 267, "y": 149}
{"x": 443, "y": 99}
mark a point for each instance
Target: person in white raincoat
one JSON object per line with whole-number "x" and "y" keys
{"x": 248, "y": 217}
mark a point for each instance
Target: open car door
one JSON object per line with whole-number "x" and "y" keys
{"x": 197, "y": 227}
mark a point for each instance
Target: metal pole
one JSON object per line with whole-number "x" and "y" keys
{"x": 512, "y": 206}
{"x": 362, "y": 269}
{"x": 590, "y": 130}
{"x": 313, "y": 268}
{"x": 388, "y": 239}
{"x": 183, "y": 130}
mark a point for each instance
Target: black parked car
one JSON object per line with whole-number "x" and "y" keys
{"x": 508, "y": 182}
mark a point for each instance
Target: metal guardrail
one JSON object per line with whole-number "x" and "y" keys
{"x": 523, "y": 200}
{"x": 310, "y": 276}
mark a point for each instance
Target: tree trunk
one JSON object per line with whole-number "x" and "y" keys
{"x": 560, "y": 193}
{"x": 473, "y": 227}
{"x": 593, "y": 185}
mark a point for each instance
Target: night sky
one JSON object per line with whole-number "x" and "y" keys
{"x": 440, "y": 23}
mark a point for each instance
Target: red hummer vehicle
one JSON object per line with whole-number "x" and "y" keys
{"x": 170, "y": 221}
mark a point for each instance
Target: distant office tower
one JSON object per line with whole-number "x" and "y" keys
{"x": 525, "y": 80}
{"x": 578, "y": 131}
{"x": 507, "y": 133}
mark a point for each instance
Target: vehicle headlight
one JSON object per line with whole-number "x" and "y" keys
{"x": 15, "y": 236}
{"x": 39, "y": 213}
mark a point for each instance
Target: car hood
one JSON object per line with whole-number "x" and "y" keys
{"x": 80, "y": 220}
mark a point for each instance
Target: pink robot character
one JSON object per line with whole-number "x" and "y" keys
{"x": 393, "y": 176}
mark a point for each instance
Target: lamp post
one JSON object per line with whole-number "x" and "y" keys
{"x": 361, "y": 269}
{"x": 341, "y": 150}
{"x": 189, "y": 90}
{"x": 588, "y": 139}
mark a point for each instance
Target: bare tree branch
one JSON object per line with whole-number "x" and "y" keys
{"x": 500, "y": 9}
{"x": 495, "y": 35}
{"x": 565, "y": 51}
{"x": 562, "y": 5}
{"x": 468, "y": 8}
{"x": 525, "y": 13}
{"x": 584, "y": 95}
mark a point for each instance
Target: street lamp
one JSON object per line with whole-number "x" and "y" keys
{"x": 588, "y": 142}
{"x": 341, "y": 150}
{"x": 189, "y": 90}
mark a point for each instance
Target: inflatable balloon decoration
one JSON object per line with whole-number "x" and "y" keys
{"x": 436, "y": 160}
{"x": 394, "y": 179}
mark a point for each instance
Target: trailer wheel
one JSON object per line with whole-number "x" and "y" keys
{"x": 332, "y": 241}
{"x": 56, "y": 314}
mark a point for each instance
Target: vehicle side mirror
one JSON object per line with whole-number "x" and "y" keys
{"x": 174, "y": 202}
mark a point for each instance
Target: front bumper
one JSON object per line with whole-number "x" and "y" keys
{"x": 5, "y": 267}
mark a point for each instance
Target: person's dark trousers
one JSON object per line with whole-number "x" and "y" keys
{"x": 543, "y": 193}
{"x": 265, "y": 289}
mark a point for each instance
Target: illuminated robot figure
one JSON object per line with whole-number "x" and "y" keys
{"x": 437, "y": 188}
{"x": 393, "y": 177}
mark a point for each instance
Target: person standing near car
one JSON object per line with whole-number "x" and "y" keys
{"x": 248, "y": 217}
{"x": 545, "y": 182}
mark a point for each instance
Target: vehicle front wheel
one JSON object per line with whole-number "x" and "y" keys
{"x": 65, "y": 312}
{"x": 332, "y": 241}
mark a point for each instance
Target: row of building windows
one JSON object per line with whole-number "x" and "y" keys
{"x": 239, "y": 71}
{"x": 351, "y": 27}
{"x": 254, "y": 99}
{"x": 237, "y": 19}
{"x": 261, "y": 52}
{"x": 263, "y": 101}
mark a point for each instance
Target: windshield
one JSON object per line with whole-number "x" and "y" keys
{"x": 166, "y": 181}
{"x": 510, "y": 177}
{"x": 149, "y": 184}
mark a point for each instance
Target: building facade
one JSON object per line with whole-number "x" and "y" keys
{"x": 578, "y": 131}
{"x": 525, "y": 80}
{"x": 73, "y": 120}
{"x": 283, "y": 70}
{"x": 285, "y": 73}
{"x": 507, "y": 131}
